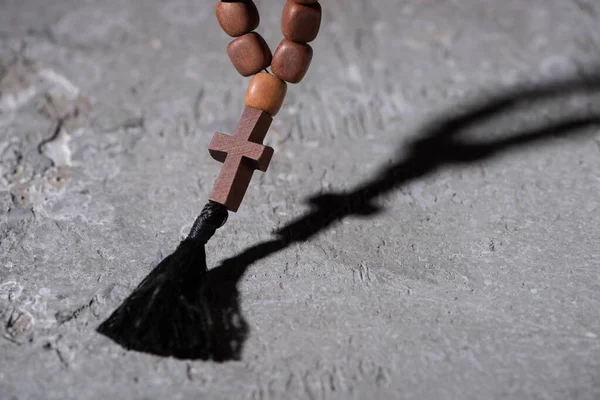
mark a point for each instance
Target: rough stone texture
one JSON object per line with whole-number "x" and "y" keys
{"x": 478, "y": 279}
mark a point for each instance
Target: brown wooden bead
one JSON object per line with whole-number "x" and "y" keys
{"x": 240, "y": 154}
{"x": 301, "y": 22}
{"x": 249, "y": 54}
{"x": 266, "y": 92}
{"x": 291, "y": 60}
{"x": 237, "y": 17}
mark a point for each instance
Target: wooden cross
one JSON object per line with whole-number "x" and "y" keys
{"x": 240, "y": 154}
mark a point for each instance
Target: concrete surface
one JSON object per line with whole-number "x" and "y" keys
{"x": 479, "y": 279}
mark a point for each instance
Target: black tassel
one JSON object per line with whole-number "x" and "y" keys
{"x": 173, "y": 312}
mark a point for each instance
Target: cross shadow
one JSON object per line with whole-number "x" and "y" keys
{"x": 440, "y": 144}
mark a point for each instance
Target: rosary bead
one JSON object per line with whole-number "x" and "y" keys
{"x": 266, "y": 92}
{"x": 301, "y": 22}
{"x": 291, "y": 60}
{"x": 237, "y": 17}
{"x": 249, "y": 54}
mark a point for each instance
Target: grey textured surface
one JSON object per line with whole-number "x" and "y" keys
{"x": 477, "y": 280}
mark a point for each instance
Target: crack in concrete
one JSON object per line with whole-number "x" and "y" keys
{"x": 63, "y": 317}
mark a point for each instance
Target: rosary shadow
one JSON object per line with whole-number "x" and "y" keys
{"x": 440, "y": 144}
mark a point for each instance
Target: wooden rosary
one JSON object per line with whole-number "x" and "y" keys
{"x": 170, "y": 313}
{"x": 244, "y": 152}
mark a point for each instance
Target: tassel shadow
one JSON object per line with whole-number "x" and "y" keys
{"x": 174, "y": 311}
